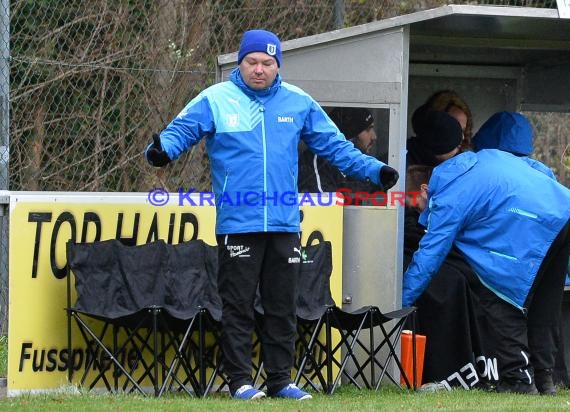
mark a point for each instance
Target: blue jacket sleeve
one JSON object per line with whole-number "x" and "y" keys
{"x": 193, "y": 123}
{"x": 444, "y": 220}
{"x": 325, "y": 140}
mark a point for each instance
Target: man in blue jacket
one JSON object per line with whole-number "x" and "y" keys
{"x": 253, "y": 124}
{"x": 511, "y": 222}
{"x": 512, "y": 132}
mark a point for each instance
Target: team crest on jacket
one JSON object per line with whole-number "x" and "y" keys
{"x": 232, "y": 120}
{"x": 271, "y": 49}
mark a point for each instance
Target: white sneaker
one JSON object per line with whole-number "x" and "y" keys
{"x": 433, "y": 387}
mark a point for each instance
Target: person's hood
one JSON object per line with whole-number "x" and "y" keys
{"x": 507, "y": 131}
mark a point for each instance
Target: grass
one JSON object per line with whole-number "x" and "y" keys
{"x": 345, "y": 399}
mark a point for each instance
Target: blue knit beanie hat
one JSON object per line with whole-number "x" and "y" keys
{"x": 260, "y": 41}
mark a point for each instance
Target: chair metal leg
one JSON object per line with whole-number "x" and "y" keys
{"x": 111, "y": 355}
{"x": 328, "y": 343}
{"x": 178, "y": 358}
{"x": 155, "y": 311}
{"x": 308, "y": 355}
{"x": 349, "y": 340}
{"x": 391, "y": 340}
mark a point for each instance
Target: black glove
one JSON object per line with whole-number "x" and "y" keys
{"x": 388, "y": 177}
{"x": 155, "y": 155}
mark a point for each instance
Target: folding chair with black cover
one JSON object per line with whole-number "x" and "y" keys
{"x": 313, "y": 300}
{"x": 136, "y": 309}
{"x": 107, "y": 293}
{"x": 344, "y": 351}
{"x": 192, "y": 300}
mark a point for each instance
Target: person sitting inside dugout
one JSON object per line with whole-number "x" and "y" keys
{"x": 316, "y": 175}
{"x": 512, "y": 224}
{"x": 448, "y": 313}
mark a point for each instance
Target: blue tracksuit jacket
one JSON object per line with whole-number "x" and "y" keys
{"x": 252, "y": 139}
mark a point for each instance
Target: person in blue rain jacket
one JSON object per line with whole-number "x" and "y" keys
{"x": 253, "y": 124}
{"x": 511, "y": 223}
{"x": 513, "y": 133}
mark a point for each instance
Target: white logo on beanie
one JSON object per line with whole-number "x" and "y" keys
{"x": 271, "y": 49}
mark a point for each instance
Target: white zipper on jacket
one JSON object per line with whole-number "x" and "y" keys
{"x": 224, "y": 190}
{"x": 262, "y": 110}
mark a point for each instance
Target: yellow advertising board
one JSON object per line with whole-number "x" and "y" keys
{"x": 41, "y": 223}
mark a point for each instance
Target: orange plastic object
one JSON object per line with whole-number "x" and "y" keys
{"x": 406, "y": 357}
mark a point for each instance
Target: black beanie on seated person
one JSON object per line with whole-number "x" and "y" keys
{"x": 438, "y": 132}
{"x": 351, "y": 120}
